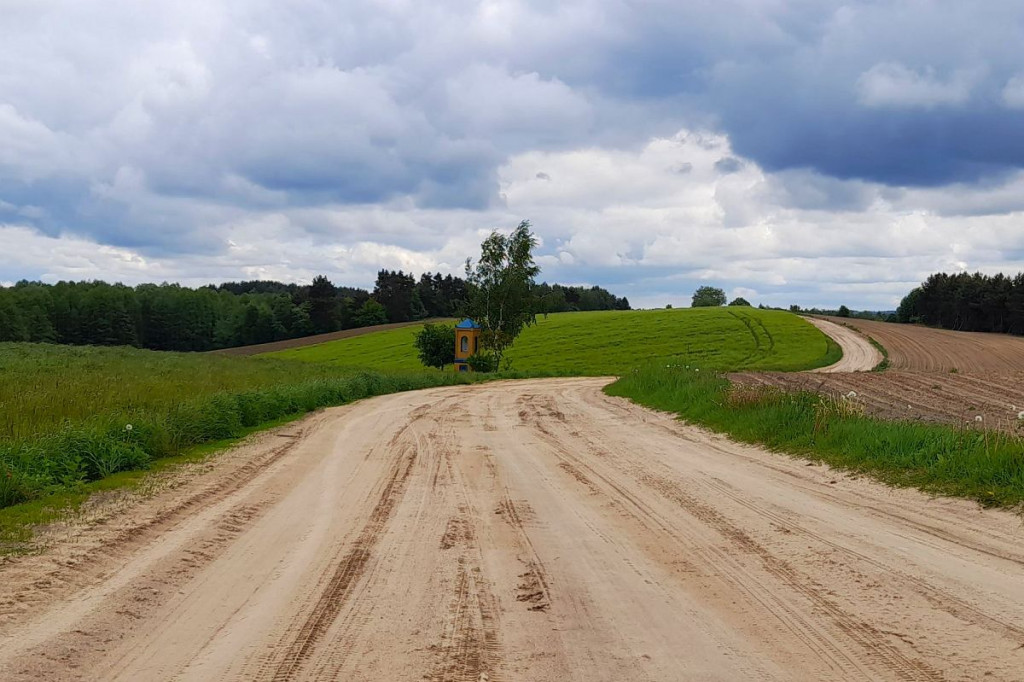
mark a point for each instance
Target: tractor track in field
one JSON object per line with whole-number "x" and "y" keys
{"x": 534, "y": 530}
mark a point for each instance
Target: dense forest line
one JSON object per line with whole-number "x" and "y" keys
{"x": 174, "y": 317}
{"x": 967, "y": 302}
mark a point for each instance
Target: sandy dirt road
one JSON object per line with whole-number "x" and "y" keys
{"x": 534, "y": 530}
{"x": 858, "y": 353}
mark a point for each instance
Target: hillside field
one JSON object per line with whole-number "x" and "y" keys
{"x": 46, "y": 385}
{"x": 72, "y": 415}
{"x": 69, "y": 415}
{"x": 615, "y": 342}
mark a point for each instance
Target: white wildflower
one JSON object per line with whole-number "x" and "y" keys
{"x": 851, "y": 394}
{"x": 979, "y": 419}
{"x": 128, "y": 427}
{"x": 1020, "y": 415}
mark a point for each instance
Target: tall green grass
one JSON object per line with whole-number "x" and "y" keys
{"x": 614, "y": 342}
{"x": 44, "y": 387}
{"x": 976, "y": 464}
{"x": 92, "y": 449}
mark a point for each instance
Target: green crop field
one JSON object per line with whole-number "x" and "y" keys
{"x": 65, "y": 411}
{"x": 74, "y": 415}
{"x": 614, "y": 342}
{"x": 45, "y": 385}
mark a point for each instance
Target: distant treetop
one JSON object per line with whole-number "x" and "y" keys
{"x": 708, "y": 297}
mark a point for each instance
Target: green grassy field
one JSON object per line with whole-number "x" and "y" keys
{"x": 45, "y": 386}
{"x": 71, "y": 416}
{"x": 614, "y": 342}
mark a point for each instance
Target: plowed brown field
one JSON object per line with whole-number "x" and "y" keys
{"x": 935, "y": 375}
{"x": 939, "y": 350}
{"x": 916, "y": 396}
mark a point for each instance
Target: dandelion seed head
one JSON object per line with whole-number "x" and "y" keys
{"x": 979, "y": 418}
{"x": 128, "y": 427}
{"x": 1020, "y": 415}
{"x": 851, "y": 394}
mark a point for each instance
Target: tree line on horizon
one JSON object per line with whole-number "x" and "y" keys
{"x": 967, "y": 302}
{"x": 177, "y": 318}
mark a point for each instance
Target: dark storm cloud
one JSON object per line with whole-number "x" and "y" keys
{"x": 382, "y": 129}
{"x": 359, "y": 103}
{"x": 894, "y": 92}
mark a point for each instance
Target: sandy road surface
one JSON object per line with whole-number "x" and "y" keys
{"x": 858, "y": 353}
{"x": 535, "y": 530}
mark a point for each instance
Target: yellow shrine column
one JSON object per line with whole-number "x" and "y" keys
{"x": 467, "y": 342}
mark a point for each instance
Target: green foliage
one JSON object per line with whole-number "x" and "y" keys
{"x": 614, "y": 342}
{"x": 907, "y": 312}
{"x": 435, "y": 344}
{"x": 77, "y": 452}
{"x": 43, "y": 386}
{"x": 396, "y": 291}
{"x": 177, "y": 318}
{"x": 372, "y": 313}
{"x": 501, "y": 288}
{"x": 708, "y": 297}
{"x": 981, "y": 465}
{"x": 967, "y": 302}
{"x": 843, "y": 311}
{"x": 739, "y": 301}
{"x": 556, "y": 298}
{"x": 482, "y": 362}
{"x": 322, "y": 304}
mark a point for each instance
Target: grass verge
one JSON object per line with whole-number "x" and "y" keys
{"x": 69, "y": 460}
{"x": 884, "y": 364}
{"x": 18, "y": 521}
{"x": 979, "y": 465}
{"x": 45, "y": 387}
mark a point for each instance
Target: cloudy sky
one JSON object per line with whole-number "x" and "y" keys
{"x": 791, "y": 151}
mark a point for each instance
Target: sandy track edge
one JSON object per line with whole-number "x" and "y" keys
{"x": 859, "y": 355}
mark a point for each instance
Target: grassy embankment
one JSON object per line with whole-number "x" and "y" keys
{"x": 615, "y": 342}
{"x": 70, "y": 417}
{"x": 980, "y": 465}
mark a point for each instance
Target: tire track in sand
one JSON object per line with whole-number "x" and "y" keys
{"x": 284, "y": 664}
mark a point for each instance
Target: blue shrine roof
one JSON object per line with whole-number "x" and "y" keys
{"x": 467, "y": 324}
